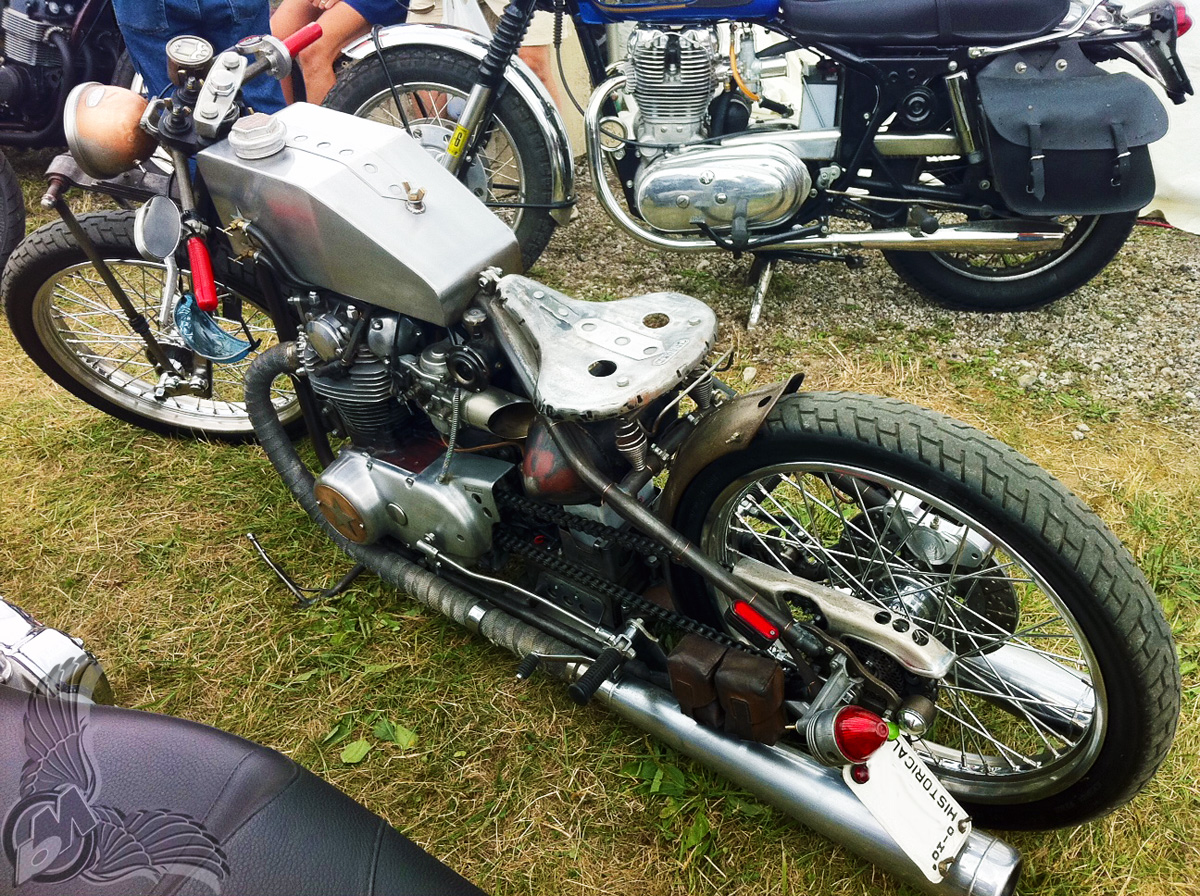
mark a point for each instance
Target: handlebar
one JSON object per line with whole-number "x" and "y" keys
{"x": 306, "y": 36}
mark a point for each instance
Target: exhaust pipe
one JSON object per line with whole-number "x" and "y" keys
{"x": 812, "y": 794}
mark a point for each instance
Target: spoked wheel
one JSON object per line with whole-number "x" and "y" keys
{"x": 70, "y": 324}
{"x": 513, "y": 168}
{"x": 1064, "y": 696}
{"x": 1010, "y": 281}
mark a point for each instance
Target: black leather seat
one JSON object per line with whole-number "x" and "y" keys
{"x": 909, "y": 22}
{"x": 182, "y": 808}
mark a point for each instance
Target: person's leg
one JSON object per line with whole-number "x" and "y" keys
{"x": 228, "y": 21}
{"x": 289, "y": 17}
{"x": 340, "y": 24}
{"x": 145, "y": 30}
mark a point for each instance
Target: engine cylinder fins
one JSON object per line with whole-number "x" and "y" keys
{"x": 361, "y": 395}
{"x": 672, "y": 77}
{"x": 25, "y": 39}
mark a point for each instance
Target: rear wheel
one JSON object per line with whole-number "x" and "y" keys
{"x": 70, "y": 324}
{"x": 1016, "y": 281}
{"x": 1065, "y": 693}
{"x": 512, "y": 170}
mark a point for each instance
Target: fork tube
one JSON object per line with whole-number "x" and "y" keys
{"x": 505, "y": 43}
{"x": 137, "y": 321}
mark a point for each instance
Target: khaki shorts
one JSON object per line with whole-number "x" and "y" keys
{"x": 541, "y": 29}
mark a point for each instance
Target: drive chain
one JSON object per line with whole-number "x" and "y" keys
{"x": 632, "y": 603}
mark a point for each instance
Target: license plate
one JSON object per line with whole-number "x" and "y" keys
{"x": 913, "y": 807}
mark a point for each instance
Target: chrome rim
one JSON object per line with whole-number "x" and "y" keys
{"x": 432, "y": 109}
{"x": 1022, "y": 714}
{"x": 81, "y": 325}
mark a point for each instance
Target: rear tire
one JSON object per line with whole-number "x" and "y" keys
{"x": 1065, "y": 693}
{"x": 514, "y": 164}
{"x": 70, "y": 325}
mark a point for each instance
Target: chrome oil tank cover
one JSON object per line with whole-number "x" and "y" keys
{"x": 598, "y": 360}
{"x": 257, "y": 136}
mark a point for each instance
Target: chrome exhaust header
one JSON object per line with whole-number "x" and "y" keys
{"x": 976, "y": 236}
{"x": 812, "y": 794}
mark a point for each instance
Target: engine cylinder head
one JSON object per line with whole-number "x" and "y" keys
{"x": 672, "y": 77}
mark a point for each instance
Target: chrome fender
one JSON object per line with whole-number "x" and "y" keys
{"x": 520, "y": 79}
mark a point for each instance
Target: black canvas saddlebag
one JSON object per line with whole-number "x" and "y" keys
{"x": 1066, "y": 137}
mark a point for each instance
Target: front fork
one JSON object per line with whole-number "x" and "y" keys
{"x": 472, "y": 124}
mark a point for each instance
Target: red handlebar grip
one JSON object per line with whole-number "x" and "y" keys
{"x": 309, "y": 34}
{"x": 203, "y": 285}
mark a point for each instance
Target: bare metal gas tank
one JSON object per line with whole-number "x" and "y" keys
{"x": 331, "y": 193}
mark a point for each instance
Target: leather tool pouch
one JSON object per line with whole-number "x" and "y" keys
{"x": 1066, "y": 137}
{"x": 750, "y": 689}
{"x": 692, "y": 666}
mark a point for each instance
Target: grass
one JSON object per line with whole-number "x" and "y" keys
{"x": 137, "y": 544}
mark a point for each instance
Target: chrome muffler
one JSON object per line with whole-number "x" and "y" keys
{"x": 812, "y": 794}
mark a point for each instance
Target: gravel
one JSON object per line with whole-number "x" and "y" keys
{"x": 1128, "y": 339}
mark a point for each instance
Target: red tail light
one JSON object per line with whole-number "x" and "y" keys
{"x": 1183, "y": 21}
{"x": 859, "y": 733}
{"x": 847, "y": 735}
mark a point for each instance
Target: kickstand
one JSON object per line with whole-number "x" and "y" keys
{"x": 306, "y": 597}
{"x": 764, "y": 268}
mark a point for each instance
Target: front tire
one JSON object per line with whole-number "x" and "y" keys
{"x": 513, "y": 166}
{"x": 12, "y": 210}
{"x": 1065, "y": 695}
{"x": 71, "y": 326}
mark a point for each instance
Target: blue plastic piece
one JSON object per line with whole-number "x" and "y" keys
{"x": 204, "y": 336}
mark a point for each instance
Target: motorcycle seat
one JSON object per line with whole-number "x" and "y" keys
{"x": 922, "y": 22}
{"x": 171, "y": 806}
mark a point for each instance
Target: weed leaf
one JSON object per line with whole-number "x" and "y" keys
{"x": 356, "y": 752}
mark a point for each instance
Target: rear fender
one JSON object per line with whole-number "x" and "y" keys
{"x": 731, "y": 427}
{"x": 519, "y": 78}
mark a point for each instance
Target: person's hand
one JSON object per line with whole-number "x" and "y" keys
{"x": 324, "y": 4}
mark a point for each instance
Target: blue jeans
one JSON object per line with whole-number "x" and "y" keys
{"x": 147, "y": 25}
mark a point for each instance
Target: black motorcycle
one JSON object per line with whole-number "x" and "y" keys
{"x": 49, "y": 47}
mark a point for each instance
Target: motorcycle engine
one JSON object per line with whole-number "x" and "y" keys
{"x": 676, "y": 79}
{"x": 373, "y": 379}
{"x": 32, "y": 64}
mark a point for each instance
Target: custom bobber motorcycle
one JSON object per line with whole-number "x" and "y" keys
{"x": 976, "y": 143}
{"x": 881, "y": 620}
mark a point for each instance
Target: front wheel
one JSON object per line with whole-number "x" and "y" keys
{"x": 511, "y": 172}
{"x": 69, "y": 323}
{"x": 1016, "y": 281}
{"x": 1065, "y": 693}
